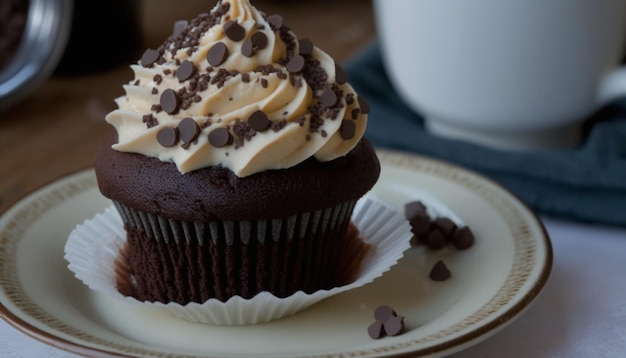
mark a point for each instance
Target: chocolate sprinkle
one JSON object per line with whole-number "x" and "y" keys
{"x": 296, "y": 64}
{"x": 305, "y": 46}
{"x": 167, "y": 137}
{"x": 329, "y": 98}
{"x": 439, "y": 272}
{"x": 217, "y": 54}
{"x": 234, "y": 31}
{"x": 220, "y": 137}
{"x": 186, "y": 70}
{"x": 188, "y": 130}
{"x": 259, "y": 121}
{"x": 169, "y": 101}
{"x": 347, "y": 129}
{"x": 150, "y": 56}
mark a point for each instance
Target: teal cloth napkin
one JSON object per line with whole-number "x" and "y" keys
{"x": 586, "y": 183}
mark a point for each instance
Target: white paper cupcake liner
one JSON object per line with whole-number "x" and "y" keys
{"x": 93, "y": 247}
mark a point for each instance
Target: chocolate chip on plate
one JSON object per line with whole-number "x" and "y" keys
{"x": 393, "y": 326}
{"x": 439, "y": 272}
{"x": 445, "y": 226}
{"x": 435, "y": 240}
{"x": 375, "y": 330}
{"x": 463, "y": 238}
{"x": 383, "y": 312}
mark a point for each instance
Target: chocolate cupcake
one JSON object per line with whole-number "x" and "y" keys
{"x": 236, "y": 161}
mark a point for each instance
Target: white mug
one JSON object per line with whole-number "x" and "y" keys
{"x": 509, "y": 74}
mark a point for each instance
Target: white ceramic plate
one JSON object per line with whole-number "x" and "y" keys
{"x": 492, "y": 283}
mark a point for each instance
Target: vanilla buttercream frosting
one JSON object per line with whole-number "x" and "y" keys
{"x": 237, "y": 88}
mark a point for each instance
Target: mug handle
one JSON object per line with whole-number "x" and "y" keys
{"x": 612, "y": 86}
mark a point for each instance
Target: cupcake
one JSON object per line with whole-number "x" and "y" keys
{"x": 235, "y": 163}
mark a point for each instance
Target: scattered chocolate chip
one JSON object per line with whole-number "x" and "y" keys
{"x": 347, "y": 129}
{"x": 167, "y": 137}
{"x": 341, "y": 76}
{"x": 375, "y": 330}
{"x": 259, "y": 121}
{"x": 150, "y": 56}
{"x": 296, "y": 64}
{"x": 329, "y": 98}
{"x": 445, "y": 226}
{"x": 259, "y": 40}
{"x": 264, "y": 83}
{"x": 365, "y": 107}
{"x": 179, "y": 26}
{"x": 234, "y": 31}
{"x": 188, "y": 130}
{"x": 413, "y": 207}
{"x": 217, "y": 54}
{"x": 383, "y": 312}
{"x": 435, "y": 240}
{"x": 393, "y": 326}
{"x": 305, "y": 46}
{"x": 220, "y": 137}
{"x": 248, "y": 48}
{"x": 169, "y": 101}
{"x": 420, "y": 223}
{"x": 463, "y": 238}
{"x": 185, "y": 71}
{"x": 439, "y": 272}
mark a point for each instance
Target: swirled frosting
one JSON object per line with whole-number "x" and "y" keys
{"x": 237, "y": 88}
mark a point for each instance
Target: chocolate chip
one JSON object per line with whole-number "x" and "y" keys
{"x": 435, "y": 240}
{"x": 234, "y": 31}
{"x": 276, "y": 21}
{"x": 365, "y": 107}
{"x": 412, "y": 208}
{"x": 296, "y": 64}
{"x": 167, "y": 137}
{"x": 179, "y": 26}
{"x": 347, "y": 129}
{"x": 329, "y": 98}
{"x": 305, "y": 46}
{"x": 185, "y": 71}
{"x": 220, "y": 137}
{"x": 420, "y": 223}
{"x": 169, "y": 101}
{"x": 383, "y": 312}
{"x": 248, "y": 48}
{"x": 393, "y": 326}
{"x": 149, "y": 57}
{"x": 259, "y": 121}
{"x": 217, "y": 54}
{"x": 341, "y": 76}
{"x": 375, "y": 330}
{"x": 463, "y": 238}
{"x": 439, "y": 272}
{"x": 188, "y": 130}
{"x": 259, "y": 40}
{"x": 445, "y": 226}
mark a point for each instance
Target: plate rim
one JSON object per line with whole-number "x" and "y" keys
{"x": 391, "y": 157}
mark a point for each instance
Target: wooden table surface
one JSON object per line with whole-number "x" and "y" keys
{"x": 57, "y": 129}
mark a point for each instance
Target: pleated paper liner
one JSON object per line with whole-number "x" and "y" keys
{"x": 93, "y": 253}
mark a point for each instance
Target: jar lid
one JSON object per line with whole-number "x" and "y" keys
{"x": 43, "y": 42}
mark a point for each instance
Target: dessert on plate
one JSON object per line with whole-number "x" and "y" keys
{"x": 235, "y": 163}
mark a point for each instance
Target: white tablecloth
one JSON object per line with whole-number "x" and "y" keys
{"x": 580, "y": 313}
